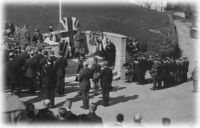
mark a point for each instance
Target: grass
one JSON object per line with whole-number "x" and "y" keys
{"x": 125, "y": 19}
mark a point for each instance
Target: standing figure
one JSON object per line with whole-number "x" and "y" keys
{"x": 80, "y": 41}
{"x": 21, "y": 58}
{"x": 156, "y": 75}
{"x": 195, "y": 77}
{"x": 49, "y": 81}
{"x": 39, "y": 56}
{"x": 60, "y": 65}
{"x": 84, "y": 82}
{"x": 106, "y": 77}
{"x": 12, "y": 73}
{"x": 185, "y": 69}
{"x": 24, "y": 36}
{"x": 110, "y": 53}
{"x": 37, "y": 37}
{"x": 31, "y": 70}
{"x": 96, "y": 68}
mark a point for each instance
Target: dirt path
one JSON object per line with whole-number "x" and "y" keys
{"x": 187, "y": 44}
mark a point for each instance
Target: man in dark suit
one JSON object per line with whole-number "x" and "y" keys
{"x": 79, "y": 67}
{"x": 111, "y": 53}
{"x": 21, "y": 58}
{"x": 39, "y": 57}
{"x": 93, "y": 117}
{"x": 106, "y": 77}
{"x": 185, "y": 69}
{"x": 49, "y": 81}
{"x": 12, "y": 72}
{"x": 60, "y": 65}
{"x": 42, "y": 63}
{"x": 84, "y": 83}
{"x": 37, "y": 37}
{"x": 31, "y": 70}
{"x": 96, "y": 68}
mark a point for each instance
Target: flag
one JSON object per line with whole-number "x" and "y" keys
{"x": 70, "y": 24}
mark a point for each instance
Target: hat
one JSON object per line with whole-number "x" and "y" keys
{"x": 137, "y": 117}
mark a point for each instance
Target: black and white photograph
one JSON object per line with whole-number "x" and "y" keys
{"x": 129, "y": 63}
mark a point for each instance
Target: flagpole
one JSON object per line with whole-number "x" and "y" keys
{"x": 60, "y": 10}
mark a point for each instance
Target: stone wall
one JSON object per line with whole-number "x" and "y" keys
{"x": 120, "y": 43}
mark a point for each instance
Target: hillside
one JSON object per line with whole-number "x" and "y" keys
{"x": 129, "y": 20}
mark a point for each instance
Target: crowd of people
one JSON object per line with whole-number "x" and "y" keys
{"x": 163, "y": 72}
{"x": 27, "y": 113}
{"x": 37, "y": 68}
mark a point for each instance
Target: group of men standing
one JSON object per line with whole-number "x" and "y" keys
{"x": 169, "y": 72}
{"x": 30, "y": 67}
{"x": 164, "y": 72}
{"x": 99, "y": 76}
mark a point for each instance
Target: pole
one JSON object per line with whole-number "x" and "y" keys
{"x": 60, "y": 10}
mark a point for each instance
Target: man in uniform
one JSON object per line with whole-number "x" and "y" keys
{"x": 84, "y": 82}
{"x": 60, "y": 65}
{"x": 156, "y": 74}
{"x": 80, "y": 41}
{"x": 185, "y": 69}
{"x": 106, "y": 77}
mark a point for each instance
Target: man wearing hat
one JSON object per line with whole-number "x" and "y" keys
{"x": 37, "y": 37}
{"x": 60, "y": 65}
{"x": 80, "y": 41}
{"x": 84, "y": 83}
{"x": 106, "y": 77}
